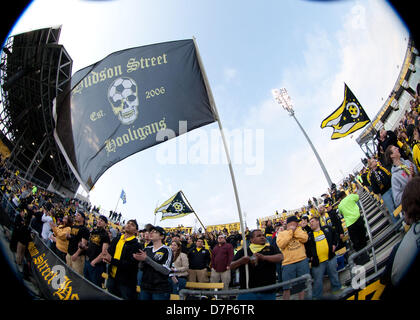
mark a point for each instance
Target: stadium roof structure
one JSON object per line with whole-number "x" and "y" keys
{"x": 34, "y": 69}
{"x": 366, "y": 139}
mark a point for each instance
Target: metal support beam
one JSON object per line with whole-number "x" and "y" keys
{"x": 37, "y": 159}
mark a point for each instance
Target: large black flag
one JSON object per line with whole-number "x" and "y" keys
{"x": 348, "y": 117}
{"x": 127, "y": 102}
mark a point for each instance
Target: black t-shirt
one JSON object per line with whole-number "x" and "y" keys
{"x": 268, "y": 230}
{"x": 263, "y": 274}
{"x": 76, "y": 234}
{"x": 37, "y": 222}
{"x": 153, "y": 280}
{"x": 380, "y": 181}
{"x": 97, "y": 238}
{"x": 390, "y": 139}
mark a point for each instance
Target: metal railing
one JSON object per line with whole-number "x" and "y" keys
{"x": 235, "y": 292}
{"x": 378, "y": 267}
{"x": 391, "y": 230}
{"x": 369, "y": 234}
{"x": 351, "y": 289}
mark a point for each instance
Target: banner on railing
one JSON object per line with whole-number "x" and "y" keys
{"x": 219, "y": 227}
{"x": 56, "y": 280}
{"x": 371, "y": 291}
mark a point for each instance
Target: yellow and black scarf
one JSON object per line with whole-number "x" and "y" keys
{"x": 118, "y": 251}
{"x": 258, "y": 247}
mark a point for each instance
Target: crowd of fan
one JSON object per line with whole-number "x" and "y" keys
{"x": 161, "y": 263}
{"x": 397, "y": 160}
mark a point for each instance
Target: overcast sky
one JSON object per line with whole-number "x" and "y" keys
{"x": 248, "y": 48}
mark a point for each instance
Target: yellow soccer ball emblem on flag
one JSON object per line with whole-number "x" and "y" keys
{"x": 178, "y": 206}
{"x": 353, "y": 109}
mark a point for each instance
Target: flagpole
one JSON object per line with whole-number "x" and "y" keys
{"x": 282, "y": 97}
{"x": 185, "y": 198}
{"x": 154, "y": 221}
{"x": 117, "y": 203}
{"x": 213, "y": 105}
{"x": 321, "y": 164}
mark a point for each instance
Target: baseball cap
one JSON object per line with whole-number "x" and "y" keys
{"x": 159, "y": 229}
{"x": 134, "y": 221}
{"x": 292, "y": 219}
{"x": 103, "y": 218}
{"x": 82, "y": 214}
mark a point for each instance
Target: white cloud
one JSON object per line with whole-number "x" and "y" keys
{"x": 165, "y": 187}
{"x": 370, "y": 39}
{"x": 364, "y": 53}
{"x": 229, "y": 74}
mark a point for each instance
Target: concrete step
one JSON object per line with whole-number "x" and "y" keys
{"x": 379, "y": 227}
{"x": 376, "y": 219}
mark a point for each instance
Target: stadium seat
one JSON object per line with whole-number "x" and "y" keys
{"x": 205, "y": 285}
{"x": 397, "y": 211}
{"x": 341, "y": 251}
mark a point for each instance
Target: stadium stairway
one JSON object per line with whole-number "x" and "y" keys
{"x": 384, "y": 234}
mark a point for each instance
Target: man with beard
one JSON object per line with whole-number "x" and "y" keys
{"x": 97, "y": 245}
{"x": 122, "y": 270}
{"x": 380, "y": 181}
{"x": 262, "y": 258}
{"x": 78, "y": 238}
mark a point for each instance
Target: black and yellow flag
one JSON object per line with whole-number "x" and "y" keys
{"x": 348, "y": 117}
{"x": 175, "y": 207}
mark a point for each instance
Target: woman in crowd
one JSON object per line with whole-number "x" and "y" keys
{"x": 401, "y": 275}
{"x": 180, "y": 265}
{"x": 21, "y": 236}
{"x": 60, "y": 233}
{"x": 402, "y": 172}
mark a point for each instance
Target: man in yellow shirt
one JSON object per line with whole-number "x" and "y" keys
{"x": 295, "y": 263}
{"x": 320, "y": 249}
{"x": 416, "y": 148}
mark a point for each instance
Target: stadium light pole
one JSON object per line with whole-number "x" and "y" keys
{"x": 282, "y": 97}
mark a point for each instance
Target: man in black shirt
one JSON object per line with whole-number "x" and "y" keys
{"x": 122, "y": 271}
{"x": 333, "y": 193}
{"x": 36, "y": 222}
{"x": 268, "y": 232}
{"x": 97, "y": 245}
{"x": 156, "y": 261}
{"x": 78, "y": 238}
{"x": 386, "y": 138}
{"x": 304, "y": 223}
{"x": 327, "y": 199}
{"x": 380, "y": 180}
{"x": 262, "y": 258}
{"x": 336, "y": 225}
{"x": 198, "y": 260}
